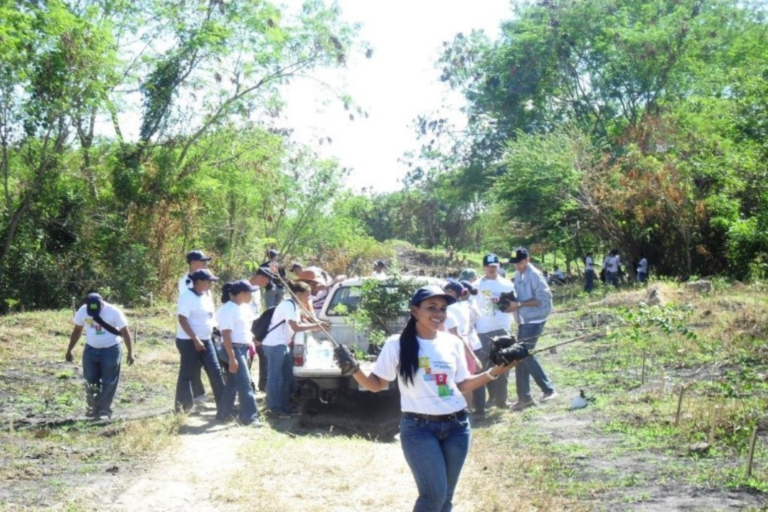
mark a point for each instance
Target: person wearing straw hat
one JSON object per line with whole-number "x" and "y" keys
{"x": 432, "y": 375}
{"x": 196, "y": 319}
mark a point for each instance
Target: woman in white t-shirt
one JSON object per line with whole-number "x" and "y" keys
{"x": 432, "y": 374}
{"x": 235, "y": 319}
{"x": 196, "y": 320}
{"x": 286, "y": 321}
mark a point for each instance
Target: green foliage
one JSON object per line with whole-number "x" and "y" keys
{"x": 383, "y": 307}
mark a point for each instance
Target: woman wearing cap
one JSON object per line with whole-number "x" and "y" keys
{"x": 196, "y": 320}
{"x": 458, "y": 323}
{"x": 286, "y": 321}
{"x": 235, "y": 319}
{"x": 432, "y": 374}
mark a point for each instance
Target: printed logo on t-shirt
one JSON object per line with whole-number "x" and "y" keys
{"x": 440, "y": 379}
{"x": 95, "y": 326}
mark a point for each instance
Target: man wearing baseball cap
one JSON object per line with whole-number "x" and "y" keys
{"x": 197, "y": 260}
{"x": 491, "y": 323}
{"x": 260, "y": 279}
{"x": 273, "y": 292}
{"x": 533, "y": 306}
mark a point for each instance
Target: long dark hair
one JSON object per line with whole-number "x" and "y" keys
{"x": 298, "y": 286}
{"x": 409, "y": 351}
{"x": 225, "y": 293}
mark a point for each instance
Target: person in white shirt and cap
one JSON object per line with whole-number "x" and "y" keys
{"x": 105, "y": 327}
{"x": 197, "y": 260}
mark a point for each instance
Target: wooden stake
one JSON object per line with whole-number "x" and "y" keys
{"x": 642, "y": 374}
{"x": 752, "y": 442}
{"x": 663, "y": 382}
{"x": 74, "y": 305}
{"x": 151, "y": 300}
{"x": 713, "y": 413}
{"x": 679, "y": 406}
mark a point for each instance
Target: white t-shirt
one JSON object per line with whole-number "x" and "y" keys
{"x": 95, "y": 335}
{"x": 611, "y": 264}
{"x": 185, "y": 283}
{"x": 238, "y": 319}
{"x": 442, "y": 367}
{"x": 559, "y": 274}
{"x": 282, "y": 335}
{"x": 491, "y": 319}
{"x": 379, "y": 275}
{"x": 200, "y": 314}
{"x": 463, "y": 315}
{"x": 643, "y": 266}
{"x": 589, "y": 263}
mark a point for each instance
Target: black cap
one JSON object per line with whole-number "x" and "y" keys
{"x": 520, "y": 255}
{"x": 428, "y": 292}
{"x": 380, "y": 263}
{"x": 241, "y": 286}
{"x": 273, "y": 253}
{"x": 491, "y": 259}
{"x": 455, "y": 287}
{"x": 197, "y": 256}
{"x": 203, "y": 275}
{"x": 264, "y": 271}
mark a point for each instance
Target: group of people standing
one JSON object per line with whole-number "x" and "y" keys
{"x": 612, "y": 270}
{"x": 233, "y": 322}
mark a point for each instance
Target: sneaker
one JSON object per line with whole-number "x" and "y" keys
{"x": 546, "y": 397}
{"x": 253, "y": 424}
{"x": 200, "y": 399}
{"x": 520, "y": 405}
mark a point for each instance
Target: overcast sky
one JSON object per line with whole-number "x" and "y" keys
{"x": 399, "y": 83}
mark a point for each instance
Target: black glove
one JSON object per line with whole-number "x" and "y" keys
{"x": 506, "y": 349}
{"x": 346, "y": 360}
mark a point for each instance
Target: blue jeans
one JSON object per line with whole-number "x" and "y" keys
{"x": 239, "y": 384}
{"x": 642, "y": 276}
{"x": 530, "y": 367}
{"x": 497, "y": 389}
{"x": 612, "y": 278}
{"x": 279, "y": 378}
{"x": 191, "y": 361}
{"x": 590, "y": 284}
{"x": 435, "y": 451}
{"x": 101, "y": 370}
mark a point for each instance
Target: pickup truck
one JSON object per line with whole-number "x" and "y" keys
{"x": 318, "y": 379}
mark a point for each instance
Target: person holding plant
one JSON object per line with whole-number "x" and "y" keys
{"x": 432, "y": 374}
{"x": 286, "y": 321}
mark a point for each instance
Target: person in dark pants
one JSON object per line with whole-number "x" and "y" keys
{"x": 273, "y": 292}
{"x": 235, "y": 319}
{"x": 589, "y": 273}
{"x": 196, "y": 320}
{"x": 105, "y": 326}
{"x": 432, "y": 375}
{"x": 489, "y": 324}
{"x": 261, "y": 279}
{"x": 533, "y": 306}
{"x": 196, "y": 260}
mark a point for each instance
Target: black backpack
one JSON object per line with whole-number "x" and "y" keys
{"x": 260, "y": 327}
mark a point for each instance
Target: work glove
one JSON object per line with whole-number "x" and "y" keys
{"x": 345, "y": 359}
{"x": 506, "y": 349}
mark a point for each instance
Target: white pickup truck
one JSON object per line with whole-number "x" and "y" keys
{"x": 318, "y": 379}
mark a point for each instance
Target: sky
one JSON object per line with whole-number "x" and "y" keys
{"x": 399, "y": 83}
